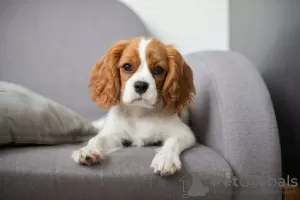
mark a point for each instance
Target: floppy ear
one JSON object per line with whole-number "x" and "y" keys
{"x": 178, "y": 89}
{"x": 105, "y": 77}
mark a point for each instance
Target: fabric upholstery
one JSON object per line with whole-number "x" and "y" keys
{"x": 49, "y": 173}
{"x": 50, "y": 46}
{"x": 29, "y": 118}
{"x": 233, "y": 114}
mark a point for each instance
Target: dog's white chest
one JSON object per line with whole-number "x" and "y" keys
{"x": 143, "y": 129}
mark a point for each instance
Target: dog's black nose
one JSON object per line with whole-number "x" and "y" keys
{"x": 140, "y": 87}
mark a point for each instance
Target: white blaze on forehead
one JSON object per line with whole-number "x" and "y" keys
{"x": 143, "y": 73}
{"x": 142, "y": 51}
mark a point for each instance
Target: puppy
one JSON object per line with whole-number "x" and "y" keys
{"x": 148, "y": 87}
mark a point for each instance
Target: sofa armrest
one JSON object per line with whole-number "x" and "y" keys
{"x": 233, "y": 114}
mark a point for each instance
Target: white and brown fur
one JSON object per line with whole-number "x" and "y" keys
{"x": 159, "y": 114}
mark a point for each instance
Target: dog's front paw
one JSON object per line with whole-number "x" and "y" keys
{"x": 166, "y": 163}
{"x": 87, "y": 156}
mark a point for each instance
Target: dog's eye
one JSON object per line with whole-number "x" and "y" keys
{"x": 158, "y": 70}
{"x": 127, "y": 68}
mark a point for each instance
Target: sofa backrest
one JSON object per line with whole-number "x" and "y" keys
{"x": 50, "y": 46}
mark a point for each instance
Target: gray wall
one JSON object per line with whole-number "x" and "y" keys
{"x": 268, "y": 33}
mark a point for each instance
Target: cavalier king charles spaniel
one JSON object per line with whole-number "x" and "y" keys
{"x": 148, "y": 88}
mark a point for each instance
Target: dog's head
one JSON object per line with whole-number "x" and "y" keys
{"x": 142, "y": 72}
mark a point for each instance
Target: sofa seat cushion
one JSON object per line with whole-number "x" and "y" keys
{"x": 48, "y": 172}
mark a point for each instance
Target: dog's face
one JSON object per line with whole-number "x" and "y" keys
{"x": 142, "y": 72}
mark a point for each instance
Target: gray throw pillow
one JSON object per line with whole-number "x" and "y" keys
{"x": 29, "y": 118}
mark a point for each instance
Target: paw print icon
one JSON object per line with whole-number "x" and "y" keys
{"x": 193, "y": 187}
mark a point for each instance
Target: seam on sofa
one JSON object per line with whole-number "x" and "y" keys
{"x": 216, "y": 92}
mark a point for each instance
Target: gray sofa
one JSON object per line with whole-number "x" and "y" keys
{"x": 50, "y": 47}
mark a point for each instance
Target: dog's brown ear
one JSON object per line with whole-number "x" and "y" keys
{"x": 178, "y": 90}
{"x": 105, "y": 77}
